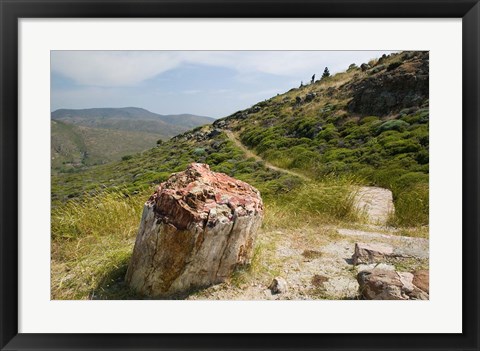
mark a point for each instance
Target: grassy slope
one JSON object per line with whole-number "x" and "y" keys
{"x": 75, "y": 147}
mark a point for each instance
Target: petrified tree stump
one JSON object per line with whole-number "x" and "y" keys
{"x": 195, "y": 230}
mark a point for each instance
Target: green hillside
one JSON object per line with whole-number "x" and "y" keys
{"x": 76, "y": 147}
{"x": 307, "y": 151}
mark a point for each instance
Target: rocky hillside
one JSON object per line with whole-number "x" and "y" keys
{"x": 370, "y": 121}
{"x": 86, "y": 137}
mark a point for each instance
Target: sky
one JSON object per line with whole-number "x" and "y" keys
{"x": 207, "y": 83}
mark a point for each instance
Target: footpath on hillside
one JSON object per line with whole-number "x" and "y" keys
{"x": 375, "y": 202}
{"x": 250, "y": 154}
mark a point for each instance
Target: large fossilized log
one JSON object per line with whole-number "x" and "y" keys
{"x": 195, "y": 230}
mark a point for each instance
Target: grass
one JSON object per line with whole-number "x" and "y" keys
{"x": 77, "y": 147}
{"x": 93, "y": 238}
{"x": 92, "y": 241}
{"x": 411, "y": 207}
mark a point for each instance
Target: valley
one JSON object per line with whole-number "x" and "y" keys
{"x": 87, "y": 137}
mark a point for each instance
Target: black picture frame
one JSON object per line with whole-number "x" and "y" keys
{"x": 11, "y": 11}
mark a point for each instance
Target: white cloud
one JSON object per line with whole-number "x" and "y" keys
{"x": 111, "y": 68}
{"x": 129, "y": 68}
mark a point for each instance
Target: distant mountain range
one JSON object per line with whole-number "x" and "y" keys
{"x": 84, "y": 137}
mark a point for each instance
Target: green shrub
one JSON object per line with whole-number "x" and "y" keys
{"x": 408, "y": 181}
{"x": 368, "y": 120}
{"x": 395, "y": 124}
{"x": 328, "y": 133}
{"x": 401, "y": 146}
{"x": 199, "y": 151}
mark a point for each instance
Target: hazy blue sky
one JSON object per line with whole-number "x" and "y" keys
{"x": 209, "y": 83}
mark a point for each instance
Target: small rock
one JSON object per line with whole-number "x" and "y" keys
{"x": 214, "y": 133}
{"x": 421, "y": 280}
{"x": 310, "y": 96}
{"x": 382, "y": 284}
{"x": 278, "y": 286}
{"x": 255, "y": 109}
{"x": 371, "y": 253}
{"x": 369, "y": 267}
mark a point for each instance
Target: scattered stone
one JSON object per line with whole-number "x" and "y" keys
{"x": 310, "y": 97}
{"x": 371, "y": 253}
{"x": 382, "y": 284}
{"x": 220, "y": 123}
{"x": 369, "y": 267}
{"x": 278, "y": 286}
{"x": 214, "y": 133}
{"x": 255, "y": 109}
{"x": 364, "y": 67}
{"x": 421, "y": 279}
{"x": 196, "y": 229}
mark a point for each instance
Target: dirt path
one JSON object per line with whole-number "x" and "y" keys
{"x": 250, "y": 154}
{"x": 377, "y": 203}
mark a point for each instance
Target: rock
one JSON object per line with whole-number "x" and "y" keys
{"x": 255, "y": 109}
{"x": 298, "y": 99}
{"x": 196, "y": 228}
{"x": 278, "y": 286}
{"x": 310, "y": 97}
{"x": 369, "y": 267}
{"x": 364, "y": 67}
{"x": 371, "y": 253}
{"x": 214, "y": 133}
{"x": 220, "y": 123}
{"x": 382, "y": 284}
{"x": 421, "y": 280}
{"x": 387, "y": 91}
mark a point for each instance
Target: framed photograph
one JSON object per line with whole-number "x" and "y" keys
{"x": 253, "y": 175}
